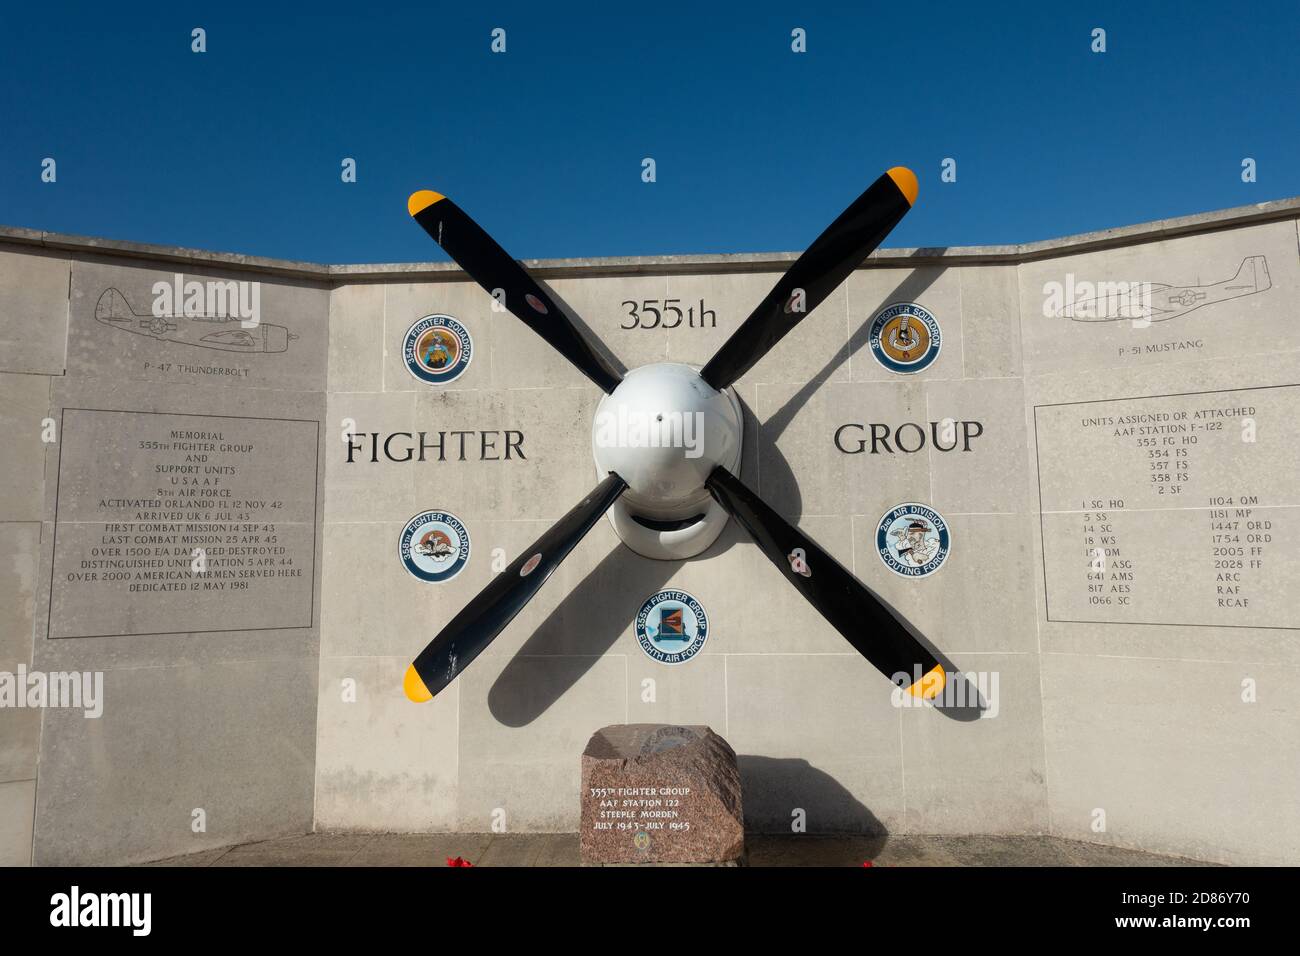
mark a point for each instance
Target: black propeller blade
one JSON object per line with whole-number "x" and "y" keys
{"x": 848, "y": 604}
{"x": 491, "y": 267}
{"x": 815, "y": 274}
{"x": 483, "y": 618}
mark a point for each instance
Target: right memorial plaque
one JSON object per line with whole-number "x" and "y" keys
{"x": 1172, "y": 509}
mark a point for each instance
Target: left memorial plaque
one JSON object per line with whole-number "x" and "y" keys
{"x": 168, "y": 523}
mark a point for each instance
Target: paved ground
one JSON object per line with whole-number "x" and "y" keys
{"x": 561, "y": 849}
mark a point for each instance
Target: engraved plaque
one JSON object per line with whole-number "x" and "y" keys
{"x": 1172, "y": 509}
{"x": 170, "y": 523}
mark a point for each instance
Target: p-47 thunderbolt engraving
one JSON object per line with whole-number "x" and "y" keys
{"x": 223, "y": 332}
{"x": 1158, "y": 301}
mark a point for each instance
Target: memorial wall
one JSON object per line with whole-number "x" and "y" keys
{"x": 161, "y": 565}
{"x": 245, "y": 492}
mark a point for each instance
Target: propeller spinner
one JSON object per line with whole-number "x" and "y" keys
{"x": 663, "y": 430}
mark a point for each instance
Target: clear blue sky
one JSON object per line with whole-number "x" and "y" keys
{"x": 757, "y": 148}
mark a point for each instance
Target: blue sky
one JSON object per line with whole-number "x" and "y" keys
{"x": 757, "y": 148}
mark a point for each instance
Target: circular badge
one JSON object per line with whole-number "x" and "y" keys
{"x": 672, "y": 627}
{"x": 437, "y": 349}
{"x": 912, "y": 540}
{"x": 663, "y": 739}
{"x": 905, "y": 337}
{"x": 434, "y": 546}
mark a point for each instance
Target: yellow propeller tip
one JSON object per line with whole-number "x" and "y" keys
{"x": 414, "y": 687}
{"x": 930, "y": 684}
{"x": 421, "y": 200}
{"x": 904, "y": 179}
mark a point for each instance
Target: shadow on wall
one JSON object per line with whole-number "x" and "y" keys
{"x": 775, "y": 470}
{"x": 961, "y": 700}
{"x": 586, "y": 623}
{"x": 773, "y": 788}
{"x": 594, "y": 613}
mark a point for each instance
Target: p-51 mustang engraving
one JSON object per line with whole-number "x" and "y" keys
{"x": 1158, "y": 301}
{"x": 222, "y": 332}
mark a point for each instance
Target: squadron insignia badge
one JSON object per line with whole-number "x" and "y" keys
{"x": 912, "y": 540}
{"x": 434, "y": 546}
{"x": 672, "y": 627}
{"x": 437, "y": 349}
{"x": 905, "y": 337}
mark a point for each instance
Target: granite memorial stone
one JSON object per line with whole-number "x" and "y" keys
{"x": 654, "y": 793}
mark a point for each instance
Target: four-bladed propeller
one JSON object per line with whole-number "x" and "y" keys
{"x": 866, "y": 622}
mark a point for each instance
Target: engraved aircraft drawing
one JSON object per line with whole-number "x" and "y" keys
{"x": 1159, "y": 302}
{"x": 223, "y": 332}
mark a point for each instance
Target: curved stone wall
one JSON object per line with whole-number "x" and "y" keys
{"x": 1105, "y": 425}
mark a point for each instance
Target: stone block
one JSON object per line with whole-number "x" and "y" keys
{"x": 660, "y": 793}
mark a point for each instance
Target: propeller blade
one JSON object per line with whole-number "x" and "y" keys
{"x": 483, "y": 618}
{"x": 816, "y": 274}
{"x": 491, "y": 267}
{"x": 865, "y": 621}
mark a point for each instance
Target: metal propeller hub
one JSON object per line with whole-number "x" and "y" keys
{"x": 664, "y": 430}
